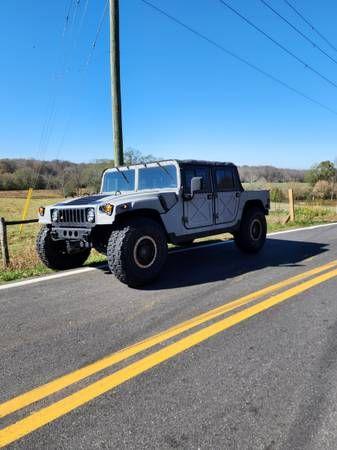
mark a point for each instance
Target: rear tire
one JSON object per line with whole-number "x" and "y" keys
{"x": 253, "y": 230}
{"x": 54, "y": 254}
{"x": 137, "y": 251}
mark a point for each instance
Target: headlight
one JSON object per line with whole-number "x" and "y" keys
{"x": 107, "y": 208}
{"x": 91, "y": 215}
{"x": 41, "y": 211}
{"x": 54, "y": 215}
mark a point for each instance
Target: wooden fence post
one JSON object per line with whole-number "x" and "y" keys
{"x": 291, "y": 205}
{"x": 4, "y": 243}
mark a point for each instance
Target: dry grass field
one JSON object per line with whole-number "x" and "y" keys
{"x": 24, "y": 260}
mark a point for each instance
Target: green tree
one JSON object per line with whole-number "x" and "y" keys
{"x": 325, "y": 170}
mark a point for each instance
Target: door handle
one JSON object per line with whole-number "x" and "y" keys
{"x": 209, "y": 196}
{"x": 237, "y": 194}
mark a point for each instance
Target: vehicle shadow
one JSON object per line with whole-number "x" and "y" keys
{"x": 224, "y": 261}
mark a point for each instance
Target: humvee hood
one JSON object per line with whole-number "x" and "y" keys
{"x": 85, "y": 200}
{"x": 104, "y": 198}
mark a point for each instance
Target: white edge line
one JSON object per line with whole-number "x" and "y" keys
{"x": 53, "y": 276}
{"x": 178, "y": 250}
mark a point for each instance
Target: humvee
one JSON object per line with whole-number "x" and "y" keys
{"x": 143, "y": 207}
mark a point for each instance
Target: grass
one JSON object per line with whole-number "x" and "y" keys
{"x": 25, "y": 262}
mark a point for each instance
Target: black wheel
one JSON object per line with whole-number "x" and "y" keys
{"x": 54, "y": 253}
{"x": 137, "y": 251}
{"x": 253, "y": 230}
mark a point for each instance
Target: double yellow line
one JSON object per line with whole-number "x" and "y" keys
{"x": 47, "y": 414}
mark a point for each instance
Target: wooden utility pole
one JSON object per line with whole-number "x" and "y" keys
{"x": 116, "y": 83}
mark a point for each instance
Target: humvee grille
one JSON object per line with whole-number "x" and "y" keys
{"x": 72, "y": 216}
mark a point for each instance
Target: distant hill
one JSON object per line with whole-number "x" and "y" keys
{"x": 271, "y": 174}
{"x": 69, "y": 177}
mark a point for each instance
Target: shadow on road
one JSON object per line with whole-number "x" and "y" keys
{"x": 221, "y": 262}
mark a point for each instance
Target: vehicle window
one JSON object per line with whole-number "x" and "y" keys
{"x": 188, "y": 175}
{"x": 191, "y": 172}
{"x": 157, "y": 177}
{"x": 119, "y": 181}
{"x": 224, "y": 180}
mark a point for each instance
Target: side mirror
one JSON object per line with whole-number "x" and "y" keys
{"x": 196, "y": 184}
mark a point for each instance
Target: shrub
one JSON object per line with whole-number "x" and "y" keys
{"x": 322, "y": 189}
{"x": 277, "y": 195}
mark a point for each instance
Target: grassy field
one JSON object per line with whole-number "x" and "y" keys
{"x": 25, "y": 262}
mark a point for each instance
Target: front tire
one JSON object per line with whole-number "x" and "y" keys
{"x": 137, "y": 251}
{"x": 54, "y": 254}
{"x": 253, "y": 230}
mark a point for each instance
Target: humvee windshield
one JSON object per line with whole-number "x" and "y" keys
{"x": 157, "y": 177}
{"x": 122, "y": 180}
{"x": 154, "y": 177}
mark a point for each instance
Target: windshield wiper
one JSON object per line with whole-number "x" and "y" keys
{"x": 123, "y": 175}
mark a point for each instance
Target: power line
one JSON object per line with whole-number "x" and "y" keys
{"x": 239, "y": 58}
{"x": 68, "y": 15}
{"x": 298, "y": 31}
{"x": 311, "y": 25}
{"x": 49, "y": 121}
{"x": 83, "y": 69}
{"x": 85, "y": 9}
{"x": 285, "y": 49}
{"x": 98, "y": 31}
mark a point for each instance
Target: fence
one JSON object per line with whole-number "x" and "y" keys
{"x": 3, "y": 237}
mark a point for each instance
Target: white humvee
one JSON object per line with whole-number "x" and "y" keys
{"x": 143, "y": 207}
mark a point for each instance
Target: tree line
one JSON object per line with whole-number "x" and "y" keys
{"x": 72, "y": 178}
{"x": 68, "y": 177}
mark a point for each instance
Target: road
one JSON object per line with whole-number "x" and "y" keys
{"x": 232, "y": 351}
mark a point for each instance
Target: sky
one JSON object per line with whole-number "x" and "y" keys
{"x": 181, "y": 96}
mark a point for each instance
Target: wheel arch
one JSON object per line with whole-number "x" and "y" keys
{"x": 141, "y": 213}
{"x": 254, "y": 204}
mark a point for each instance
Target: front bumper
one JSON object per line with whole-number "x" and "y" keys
{"x": 70, "y": 234}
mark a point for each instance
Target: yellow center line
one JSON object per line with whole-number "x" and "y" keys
{"x": 66, "y": 380}
{"x": 58, "y": 409}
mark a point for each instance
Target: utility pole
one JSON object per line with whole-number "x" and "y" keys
{"x": 116, "y": 83}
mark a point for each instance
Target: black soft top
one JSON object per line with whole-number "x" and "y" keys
{"x": 203, "y": 163}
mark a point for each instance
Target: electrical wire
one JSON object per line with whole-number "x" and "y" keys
{"x": 98, "y": 31}
{"x": 82, "y": 71}
{"x": 49, "y": 121}
{"x": 85, "y": 9}
{"x": 278, "y": 44}
{"x": 298, "y": 31}
{"x": 310, "y": 25}
{"x": 68, "y": 16}
{"x": 239, "y": 58}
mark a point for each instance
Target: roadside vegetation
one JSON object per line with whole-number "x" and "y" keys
{"x": 315, "y": 193}
{"x": 25, "y": 262}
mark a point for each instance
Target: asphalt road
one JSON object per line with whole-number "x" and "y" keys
{"x": 260, "y": 373}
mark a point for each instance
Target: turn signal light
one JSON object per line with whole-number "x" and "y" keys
{"x": 107, "y": 208}
{"x": 41, "y": 210}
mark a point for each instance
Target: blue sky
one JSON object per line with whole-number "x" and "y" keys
{"x": 182, "y": 98}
